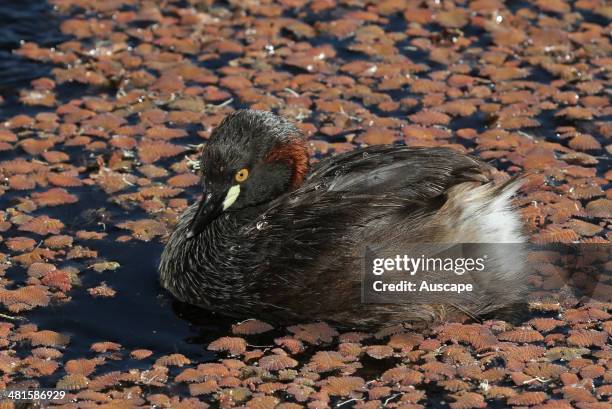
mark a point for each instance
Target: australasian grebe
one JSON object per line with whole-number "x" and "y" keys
{"x": 271, "y": 239}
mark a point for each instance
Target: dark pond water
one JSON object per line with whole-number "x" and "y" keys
{"x": 27, "y": 20}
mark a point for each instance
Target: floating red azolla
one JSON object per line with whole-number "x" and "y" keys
{"x": 42, "y": 225}
{"x": 233, "y": 345}
{"x": 250, "y": 327}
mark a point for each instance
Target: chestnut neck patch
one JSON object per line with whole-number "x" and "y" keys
{"x": 295, "y": 154}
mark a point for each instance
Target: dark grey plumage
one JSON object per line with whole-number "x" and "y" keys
{"x": 297, "y": 253}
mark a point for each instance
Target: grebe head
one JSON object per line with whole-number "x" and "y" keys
{"x": 251, "y": 158}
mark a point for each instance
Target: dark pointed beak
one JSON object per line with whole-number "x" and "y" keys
{"x": 210, "y": 207}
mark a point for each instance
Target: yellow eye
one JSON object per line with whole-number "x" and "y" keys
{"x": 242, "y": 175}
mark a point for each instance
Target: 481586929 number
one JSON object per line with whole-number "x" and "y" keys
{"x": 29, "y": 395}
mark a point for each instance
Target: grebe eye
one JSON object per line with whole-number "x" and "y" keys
{"x": 242, "y": 175}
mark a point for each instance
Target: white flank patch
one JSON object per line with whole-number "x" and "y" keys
{"x": 496, "y": 220}
{"x": 232, "y": 195}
